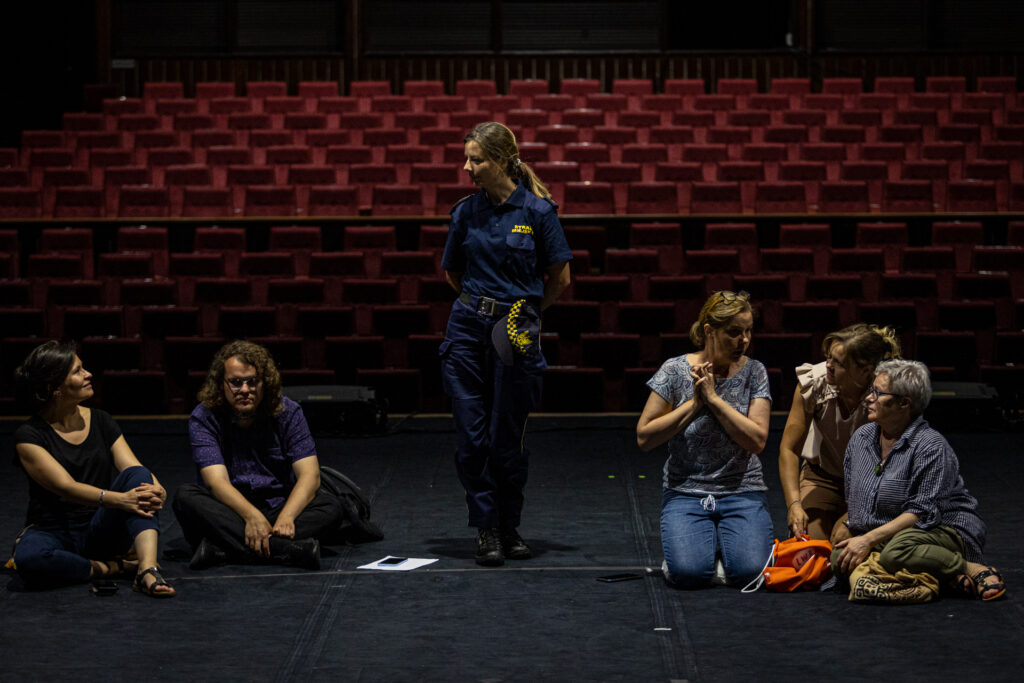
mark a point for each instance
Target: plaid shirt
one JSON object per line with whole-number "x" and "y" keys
{"x": 920, "y": 476}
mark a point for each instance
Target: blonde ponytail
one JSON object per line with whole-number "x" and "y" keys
{"x": 498, "y": 143}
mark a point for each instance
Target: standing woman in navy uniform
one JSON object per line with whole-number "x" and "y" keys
{"x": 505, "y": 245}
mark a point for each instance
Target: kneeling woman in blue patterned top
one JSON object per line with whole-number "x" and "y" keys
{"x": 905, "y": 494}
{"x": 712, "y": 408}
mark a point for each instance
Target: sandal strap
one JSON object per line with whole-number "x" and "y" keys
{"x": 158, "y": 580}
{"x": 982, "y": 587}
{"x": 980, "y": 577}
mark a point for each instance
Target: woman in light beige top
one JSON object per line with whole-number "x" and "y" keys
{"x": 828, "y": 407}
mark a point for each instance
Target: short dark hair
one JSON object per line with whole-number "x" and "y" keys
{"x": 211, "y": 394}
{"x": 43, "y": 372}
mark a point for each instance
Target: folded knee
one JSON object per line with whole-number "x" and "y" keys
{"x": 680, "y": 576}
{"x": 742, "y": 575}
{"x": 32, "y": 562}
{"x": 898, "y": 550}
{"x": 130, "y": 477}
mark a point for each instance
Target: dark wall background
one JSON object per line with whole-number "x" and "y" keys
{"x": 54, "y": 47}
{"x": 48, "y": 53}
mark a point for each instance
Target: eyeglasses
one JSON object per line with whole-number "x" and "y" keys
{"x": 728, "y": 296}
{"x": 236, "y": 383}
{"x": 874, "y": 393}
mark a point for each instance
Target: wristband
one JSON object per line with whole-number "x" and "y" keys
{"x": 793, "y": 503}
{"x": 102, "y": 493}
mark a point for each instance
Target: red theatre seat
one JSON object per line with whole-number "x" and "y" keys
{"x": 79, "y": 202}
{"x": 143, "y": 201}
{"x": 715, "y": 198}
{"x": 397, "y": 200}
{"x": 588, "y": 198}
{"x": 20, "y": 202}
{"x": 208, "y": 90}
{"x": 318, "y": 89}
{"x": 653, "y": 198}
{"x": 333, "y": 200}
{"x": 902, "y": 196}
{"x": 972, "y": 196}
{"x": 206, "y": 202}
{"x": 847, "y": 196}
{"x": 264, "y": 89}
{"x": 270, "y": 200}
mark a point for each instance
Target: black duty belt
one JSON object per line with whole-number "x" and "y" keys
{"x": 485, "y": 305}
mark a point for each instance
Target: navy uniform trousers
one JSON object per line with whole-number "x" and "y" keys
{"x": 490, "y": 405}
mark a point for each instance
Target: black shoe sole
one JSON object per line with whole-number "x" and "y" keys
{"x": 490, "y": 561}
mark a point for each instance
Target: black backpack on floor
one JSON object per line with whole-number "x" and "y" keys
{"x": 356, "y": 527}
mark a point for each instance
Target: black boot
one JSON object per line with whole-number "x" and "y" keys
{"x": 514, "y": 545}
{"x": 304, "y": 552}
{"x": 207, "y": 555}
{"x": 488, "y": 548}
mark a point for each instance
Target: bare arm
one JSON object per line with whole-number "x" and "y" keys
{"x": 793, "y": 436}
{"x": 455, "y": 280}
{"x": 307, "y": 482}
{"x": 659, "y": 421}
{"x": 857, "y": 548}
{"x": 557, "y": 281}
{"x": 751, "y": 430}
{"x": 51, "y": 475}
{"x": 257, "y": 528}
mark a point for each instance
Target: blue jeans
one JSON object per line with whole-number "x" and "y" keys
{"x": 694, "y": 529}
{"x": 56, "y": 556}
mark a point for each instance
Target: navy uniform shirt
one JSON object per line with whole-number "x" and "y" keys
{"x": 504, "y": 250}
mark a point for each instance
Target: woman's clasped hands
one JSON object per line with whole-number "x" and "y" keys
{"x": 703, "y": 383}
{"x": 144, "y": 500}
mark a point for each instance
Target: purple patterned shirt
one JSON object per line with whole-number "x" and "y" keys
{"x": 259, "y": 459}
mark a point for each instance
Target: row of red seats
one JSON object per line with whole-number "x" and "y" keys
{"x": 791, "y": 273}
{"x": 139, "y": 376}
{"x": 146, "y": 163}
{"x": 298, "y": 114}
{"x": 599, "y": 198}
{"x": 596, "y": 238}
{"x": 58, "y": 148}
{"x": 373, "y": 251}
{"x": 623, "y": 86}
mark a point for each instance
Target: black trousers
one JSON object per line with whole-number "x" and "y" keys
{"x": 203, "y": 516}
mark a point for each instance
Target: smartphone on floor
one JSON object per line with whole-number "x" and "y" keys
{"x": 615, "y": 578}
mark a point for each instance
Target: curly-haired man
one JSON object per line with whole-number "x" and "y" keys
{"x": 260, "y": 498}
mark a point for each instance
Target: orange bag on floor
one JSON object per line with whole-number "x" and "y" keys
{"x": 798, "y": 563}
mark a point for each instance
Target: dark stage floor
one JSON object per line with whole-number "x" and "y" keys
{"x": 592, "y": 509}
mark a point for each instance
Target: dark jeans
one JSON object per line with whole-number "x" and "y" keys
{"x": 201, "y": 516}
{"x": 49, "y": 556}
{"x": 490, "y": 406}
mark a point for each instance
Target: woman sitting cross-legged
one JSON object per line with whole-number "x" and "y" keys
{"x": 77, "y": 460}
{"x": 712, "y": 408}
{"x": 906, "y": 498}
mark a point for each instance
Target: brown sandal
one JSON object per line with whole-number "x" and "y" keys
{"x": 139, "y": 586}
{"x": 982, "y": 588}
